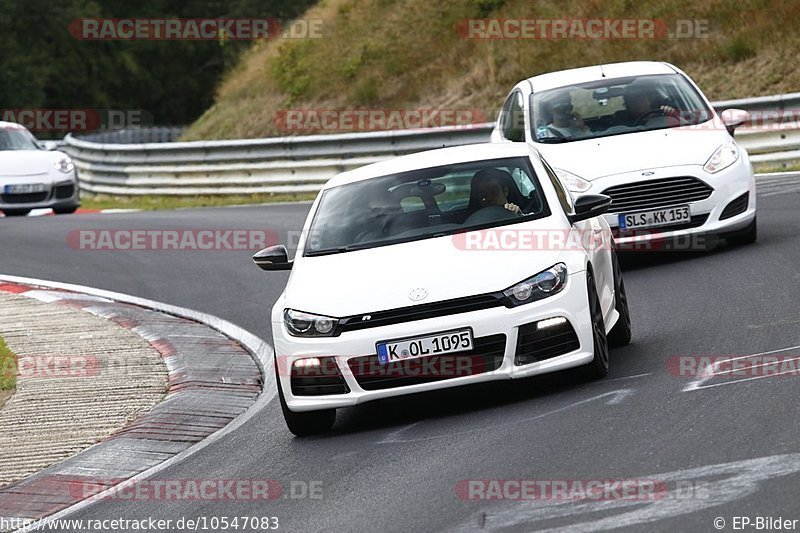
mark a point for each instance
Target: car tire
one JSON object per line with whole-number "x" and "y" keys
{"x": 306, "y": 423}
{"x": 621, "y": 333}
{"x": 749, "y": 235}
{"x": 16, "y": 212}
{"x": 64, "y": 210}
{"x": 598, "y": 367}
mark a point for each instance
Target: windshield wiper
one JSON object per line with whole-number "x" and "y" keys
{"x": 555, "y": 140}
{"x": 337, "y": 249}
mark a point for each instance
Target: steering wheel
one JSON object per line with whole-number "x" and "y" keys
{"x": 644, "y": 118}
{"x": 557, "y": 134}
{"x": 491, "y": 213}
{"x": 533, "y": 199}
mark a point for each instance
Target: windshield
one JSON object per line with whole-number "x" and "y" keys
{"x": 17, "y": 139}
{"x": 612, "y": 107}
{"x": 425, "y": 203}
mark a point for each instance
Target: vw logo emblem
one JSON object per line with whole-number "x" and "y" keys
{"x": 648, "y": 173}
{"x": 417, "y": 294}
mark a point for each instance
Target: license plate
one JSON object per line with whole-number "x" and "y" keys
{"x": 655, "y": 218}
{"x": 442, "y": 343}
{"x": 24, "y": 188}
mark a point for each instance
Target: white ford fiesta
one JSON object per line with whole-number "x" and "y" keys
{"x": 438, "y": 269}
{"x": 32, "y": 177}
{"x": 644, "y": 134}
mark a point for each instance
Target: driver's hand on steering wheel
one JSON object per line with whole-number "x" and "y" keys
{"x": 669, "y": 111}
{"x": 514, "y": 208}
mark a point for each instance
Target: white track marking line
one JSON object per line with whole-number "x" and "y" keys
{"x": 698, "y": 383}
{"x": 617, "y": 397}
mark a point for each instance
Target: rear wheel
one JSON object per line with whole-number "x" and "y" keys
{"x": 746, "y": 236}
{"x": 620, "y": 334}
{"x": 306, "y": 423}
{"x": 16, "y": 212}
{"x": 598, "y": 368}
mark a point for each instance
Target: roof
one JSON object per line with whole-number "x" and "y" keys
{"x": 573, "y": 76}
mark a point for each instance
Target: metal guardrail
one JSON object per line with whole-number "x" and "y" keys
{"x": 305, "y": 163}
{"x": 276, "y": 165}
{"x": 159, "y": 134}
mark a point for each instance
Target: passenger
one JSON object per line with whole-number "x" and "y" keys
{"x": 491, "y": 191}
{"x": 566, "y": 123}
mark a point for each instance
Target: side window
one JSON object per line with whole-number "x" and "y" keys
{"x": 564, "y": 198}
{"x": 513, "y": 118}
{"x": 522, "y": 180}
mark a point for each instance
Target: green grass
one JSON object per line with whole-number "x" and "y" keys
{"x": 150, "y": 203}
{"x": 764, "y": 168}
{"x": 379, "y": 54}
{"x": 8, "y": 368}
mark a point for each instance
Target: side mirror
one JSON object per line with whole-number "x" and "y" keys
{"x": 733, "y": 118}
{"x": 590, "y": 205}
{"x": 50, "y": 145}
{"x": 273, "y": 258}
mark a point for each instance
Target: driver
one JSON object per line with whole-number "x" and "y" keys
{"x": 491, "y": 191}
{"x": 639, "y": 105}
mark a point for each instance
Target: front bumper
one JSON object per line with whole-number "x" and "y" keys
{"x": 59, "y": 192}
{"x": 728, "y": 185}
{"x": 570, "y": 303}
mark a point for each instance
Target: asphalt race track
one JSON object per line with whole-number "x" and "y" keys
{"x": 395, "y": 465}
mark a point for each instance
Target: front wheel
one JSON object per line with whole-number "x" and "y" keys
{"x": 16, "y": 212}
{"x": 305, "y": 423}
{"x": 621, "y": 333}
{"x": 598, "y": 367}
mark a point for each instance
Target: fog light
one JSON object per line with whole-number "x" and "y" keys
{"x": 551, "y": 322}
{"x": 306, "y": 363}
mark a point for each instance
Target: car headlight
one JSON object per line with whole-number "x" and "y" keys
{"x": 544, "y": 284}
{"x": 572, "y": 182}
{"x": 723, "y": 157}
{"x": 64, "y": 164}
{"x": 302, "y": 324}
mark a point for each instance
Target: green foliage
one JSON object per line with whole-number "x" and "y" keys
{"x": 44, "y": 66}
{"x": 485, "y": 7}
{"x": 739, "y": 49}
{"x": 291, "y": 68}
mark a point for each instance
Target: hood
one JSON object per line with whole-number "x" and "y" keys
{"x": 618, "y": 154}
{"x": 364, "y": 281}
{"x": 25, "y": 162}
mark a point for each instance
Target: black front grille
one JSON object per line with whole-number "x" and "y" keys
{"x": 736, "y": 207}
{"x": 695, "y": 222}
{"x": 317, "y": 380}
{"x": 26, "y": 198}
{"x": 65, "y": 191}
{"x": 537, "y": 344}
{"x": 420, "y": 312}
{"x": 486, "y": 356}
{"x": 654, "y": 194}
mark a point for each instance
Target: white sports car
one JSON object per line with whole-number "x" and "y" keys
{"x": 438, "y": 269}
{"x": 32, "y": 177}
{"x": 644, "y": 134}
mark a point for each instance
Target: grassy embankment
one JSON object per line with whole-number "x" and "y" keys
{"x": 378, "y": 54}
